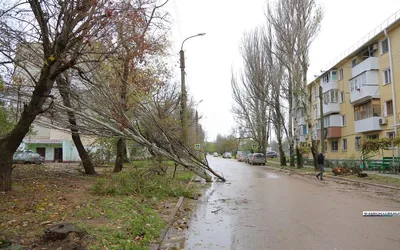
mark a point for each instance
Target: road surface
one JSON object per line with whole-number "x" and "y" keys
{"x": 261, "y": 209}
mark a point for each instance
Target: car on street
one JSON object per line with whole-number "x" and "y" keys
{"x": 247, "y": 157}
{"x": 272, "y": 154}
{"x": 215, "y": 154}
{"x": 242, "y": 156}
{"x": 227, "y": 155}
{"x": 257, "y": 159}
{"x": 27, "y": 157}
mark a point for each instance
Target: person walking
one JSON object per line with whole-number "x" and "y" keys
{"x": 321, "y": 162}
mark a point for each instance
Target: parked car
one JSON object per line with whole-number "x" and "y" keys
{"x": 227, "y": 155}
{"x": 272, "y": 154}
{"x": 257, "y": 159}
{"x": 215, "y": 154}
{"x": 247, "y": 157}
{"x": 241, "y": 157}
{"x": 27, "y": 157}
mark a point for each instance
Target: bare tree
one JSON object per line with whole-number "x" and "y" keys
{"x": 64, "y": 85}
{"x": 295, "y": 24}
{"x": 151, "y": 121}
{"x": 252, "y": 93}
{"x": 53, "y": 36}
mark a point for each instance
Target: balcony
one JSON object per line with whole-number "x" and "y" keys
{"x": 329, "y": 86}
{"x": 303, "y": 138}
{"x": 302, "y": 121}
{"x": 331, "y": 132}
{"x": 371, "y": 63}
{"x": 364, "y": 87}
{"x": 331, "y": 108}
{"x": 369, "y": 124}
{"x": 364, "y": 93}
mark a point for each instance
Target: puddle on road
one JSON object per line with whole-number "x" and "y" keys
{"x": 212, "y": 218}
{"x": 272, "y": 176}
{"x": 267, "y": 175}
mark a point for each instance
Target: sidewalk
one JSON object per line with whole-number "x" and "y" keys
{"x": 330, "y": 170}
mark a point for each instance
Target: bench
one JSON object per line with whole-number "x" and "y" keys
{"x": 377, "y": 165}
{"x": 393, "y": 163}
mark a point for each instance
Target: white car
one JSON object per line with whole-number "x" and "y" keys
{"x": 215, "y": 154}
{"x": 27, "y": 157}
{"x": 227, "y": 155}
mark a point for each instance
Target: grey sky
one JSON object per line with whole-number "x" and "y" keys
{"x": 209, "y": 59}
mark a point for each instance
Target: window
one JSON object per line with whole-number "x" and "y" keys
{"x": 343, "y": 120}
{"x": 344, "y": 144}
{"x": 326, "y": 146}
{"x": 373, "y": 137}
{"x": 315, "y": 92}
{"x": 354, "y": 63}
{"x": 366, "y": 110}
{"x": 342, "y": 97}
{"x": 334, "y": 95}
{"x": 304, "y": 130}
{"x": 384, "y": 46}
{"x": 315, "y": 111}
{"x": 334, "y": 146}
{"x": 358, "y": 142}
{"x": 326, "y": 98}
{"x": 340, "y": 74}
{"x": 390, "y": 135}
{"x": 357, "y": 82}
{"x": 334, "y": 78}
{"x": 325, "y": 78}
{"x": 387, "y": 77}
{"x": 389, "y": 108}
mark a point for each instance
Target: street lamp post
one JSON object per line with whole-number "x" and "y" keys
{"x": 197, "y": 123}
{"x": 184, "y": 118}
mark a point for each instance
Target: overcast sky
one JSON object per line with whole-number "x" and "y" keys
{"x": 210, "y": 58}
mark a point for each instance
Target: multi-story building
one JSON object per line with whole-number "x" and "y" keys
{"x": 359, "y": 94}
{"x": 53, "y": 144}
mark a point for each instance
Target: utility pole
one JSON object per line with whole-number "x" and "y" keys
{"x": 321, "y": 103}
{"x": 197, "y": 127}
{"x": 184, "y": 117}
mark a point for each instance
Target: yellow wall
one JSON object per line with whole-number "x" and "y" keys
{"x": 346, "y": 108}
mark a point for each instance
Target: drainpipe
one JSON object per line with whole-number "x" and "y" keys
{"x": 393, "y": 92}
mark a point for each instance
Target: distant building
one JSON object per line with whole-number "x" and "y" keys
{"x": 54, "y": 145}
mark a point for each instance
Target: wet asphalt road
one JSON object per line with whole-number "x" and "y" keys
{"x": 261, "y": 209}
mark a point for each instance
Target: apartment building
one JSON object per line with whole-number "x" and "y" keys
{"x": 53, "y": 144}
{"x": 360, "y": 95}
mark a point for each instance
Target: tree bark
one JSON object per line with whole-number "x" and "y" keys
{"x": 10, "y": 142}
{"x": 119, "y": 162}
{"x": 5, "y": 169}
{"x": 83, "y": 154}
{"x": 314, "y": 153}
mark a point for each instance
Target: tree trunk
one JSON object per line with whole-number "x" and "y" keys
{"x": 314, "y": 154}
{"x": 63, "y": 88}
{"x": 119, "y": 162}
{"x": 5, "y": 169}
{"x": 83, "y": 154}
{"x": 299, "y": 157}
{"x": 10, "y": 142}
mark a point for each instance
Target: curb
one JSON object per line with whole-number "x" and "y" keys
{"x": 156, "y": 246}
{"x": 338, "y": 178}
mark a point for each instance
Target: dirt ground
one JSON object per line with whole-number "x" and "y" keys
{"x": 44, "y": 195}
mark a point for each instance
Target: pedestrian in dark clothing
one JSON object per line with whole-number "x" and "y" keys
{"x": 321, "y": 163}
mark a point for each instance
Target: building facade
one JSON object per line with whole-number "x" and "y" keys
{"x": 360, "y": 96}
{"x": 54, "y": 145}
